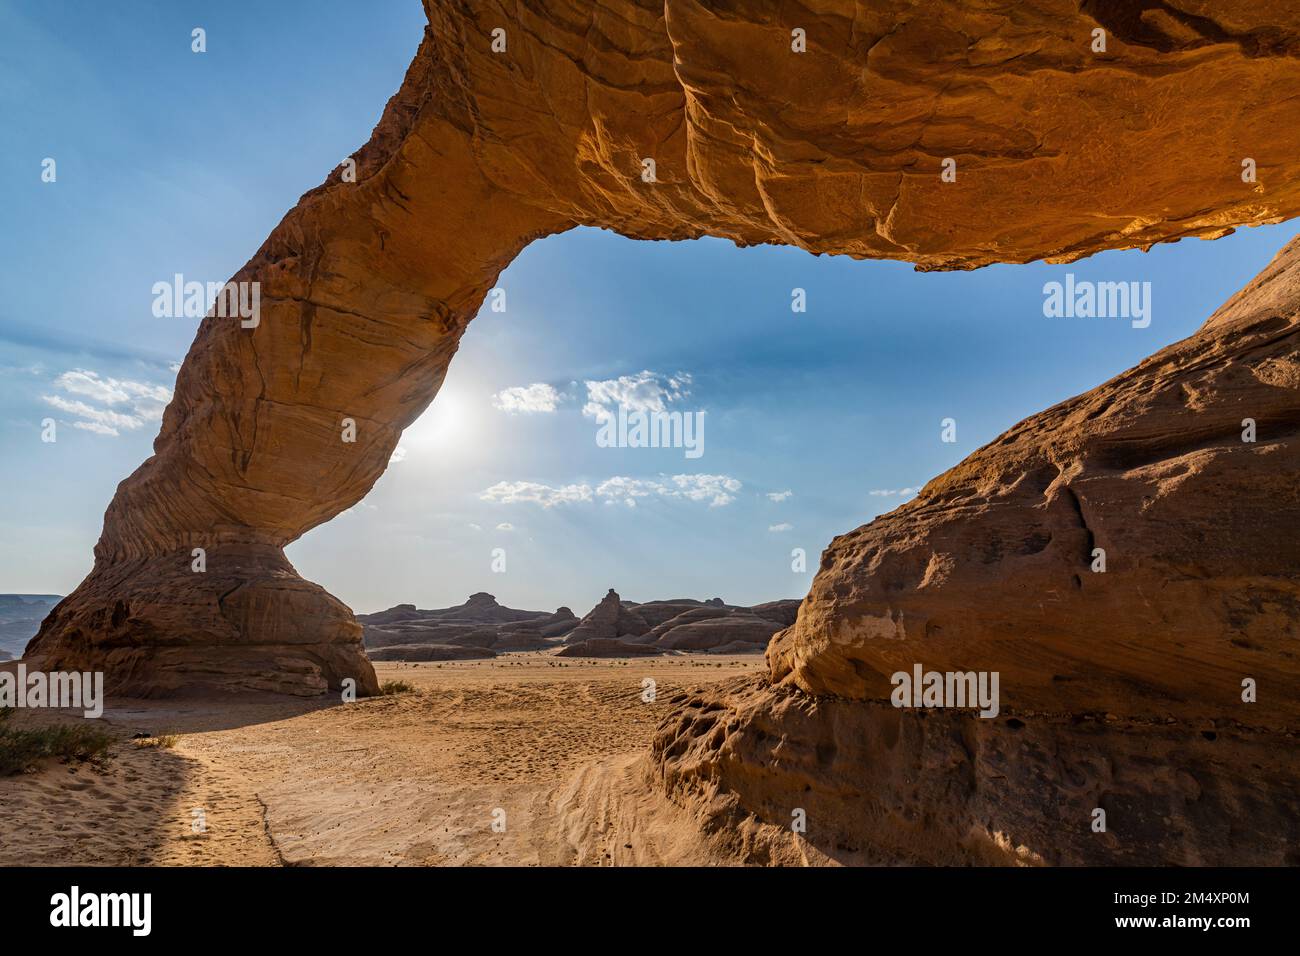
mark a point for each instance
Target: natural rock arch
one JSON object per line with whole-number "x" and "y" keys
{"x": 1060, "y": 151}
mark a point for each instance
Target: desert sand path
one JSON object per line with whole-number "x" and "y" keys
{"x": 523, "y": 760}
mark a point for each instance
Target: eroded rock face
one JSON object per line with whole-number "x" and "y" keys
{"x": 1120, "y": 690}
{"x": 369, "y": 282}
{"x": 995, "y": 559}
{"x": 250, "y": 623}
{"x": 880, "y": 786}
{"x": 609, "y": 620}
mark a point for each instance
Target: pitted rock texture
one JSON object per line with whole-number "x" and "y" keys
{"x": 1120, "y": 690}
{"x": 369, "y": 282}
{"x": 877, "y": 785}
{"x": 992, "y": 564}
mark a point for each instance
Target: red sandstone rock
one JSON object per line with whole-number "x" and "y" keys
{"x": 1120, "y": 690}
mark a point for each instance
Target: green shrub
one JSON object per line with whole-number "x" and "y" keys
{"x": 22, "y": 749}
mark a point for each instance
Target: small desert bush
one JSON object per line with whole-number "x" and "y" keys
{"x": 396, "y": 687}
{"x": 161, "y": 741}
{"x": 20, "y": 750}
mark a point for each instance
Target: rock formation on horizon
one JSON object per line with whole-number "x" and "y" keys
{"x": 613, "y": 628}
{"x": 609, "y": 620}
{"x": 480, "y": 623}
{"x": 618, "y": 628}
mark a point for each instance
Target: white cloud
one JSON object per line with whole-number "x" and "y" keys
{"x": 505, "y": 526}
{"x": 475, "y": 527}
{"x": 629, "y": 489}
{"x": 101, "y": 416}
{"x": 538, "y": 397}
{"x": 110, "y": 391}
{"x": 150, "y": 413}
{"x": 513, "y": 492}
{"x": 97, "y": 428}
{"x": 139, "y": 402}
{"x": 645, "y": 391}
{"x": 717, "y": 490}
{"x": 783, "y": 526}
{"x": 36, "y": 369}
{"x": 894, "y": 492}
{"x": 399, "y": 454}
{"x": 778, "y": 496}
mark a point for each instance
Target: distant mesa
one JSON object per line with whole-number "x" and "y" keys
{"x": 482, "y": 628}
{"x": 478, "y": 628}
{"x": 618, "y": 628}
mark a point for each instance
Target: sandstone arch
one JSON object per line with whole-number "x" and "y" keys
{"x": 367, "y": 287}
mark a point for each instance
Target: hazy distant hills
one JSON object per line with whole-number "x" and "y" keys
{"x": 613, "y": 628}
{"x": 20, "y": 619}
{"x": 481, "y": 627}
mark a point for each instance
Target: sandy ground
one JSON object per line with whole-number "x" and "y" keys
{"x": 522, "y": 760}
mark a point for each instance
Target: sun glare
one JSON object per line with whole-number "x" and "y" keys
{"x": 446, "y": 426}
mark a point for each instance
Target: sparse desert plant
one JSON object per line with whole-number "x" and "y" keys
{"x": 396, "y": 687}
{"x": 20, "y": 750}
{"x": 160, "y": 741}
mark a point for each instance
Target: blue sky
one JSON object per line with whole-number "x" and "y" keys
{"x": 170, "y": 161}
